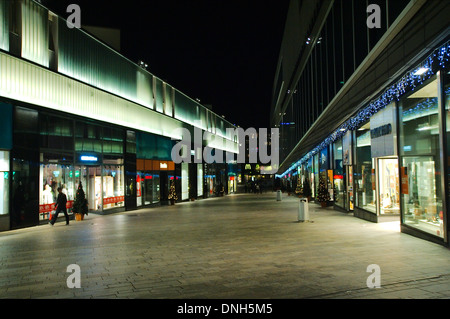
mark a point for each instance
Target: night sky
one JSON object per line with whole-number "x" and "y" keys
{"x": 222, "y": 52}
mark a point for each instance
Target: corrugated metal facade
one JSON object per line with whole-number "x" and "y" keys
{"x": 81, "y": 58}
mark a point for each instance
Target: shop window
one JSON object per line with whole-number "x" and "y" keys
{"x": 146, "y": 188}
{"x": 113, "y": 185}
{"x": 4, "y": 182}
{"x": 338, "y": 178}
{"x": 54, "y": 176}
{"x": 365, "y": 171}
{"x": 420, "y": 161}
{"x": 184, "y": 181}
{"x": 24, "y": 205}
{"x": 388, "y": 186}
{"x": 316, "y": 174}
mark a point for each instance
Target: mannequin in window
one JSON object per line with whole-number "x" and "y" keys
{"x": 47, "y": 195}
{"x": 387, "y": 201}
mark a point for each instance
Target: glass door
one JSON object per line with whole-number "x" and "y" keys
{"x": 388, "y": 187}
{"x": 91, "y": 179}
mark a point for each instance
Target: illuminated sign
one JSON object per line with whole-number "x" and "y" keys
{"x": 86, "y": 158}
{"x": 162, "y": 165}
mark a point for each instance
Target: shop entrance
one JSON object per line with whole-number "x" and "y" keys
{"x": 388, "y": 187}
{"x": 91, "y": 178}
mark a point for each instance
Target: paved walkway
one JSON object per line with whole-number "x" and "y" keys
{"x": 238, "y": 246}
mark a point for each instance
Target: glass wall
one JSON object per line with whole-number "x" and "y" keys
{"x": 184, "y": 181}
{"x": 365, "y": 171}
{"x": 200, "y": 180}
{"x": 54, "y": 176}
{"x": 77, "y": 151}
{"x": 389, "y": 186}
{"x": 420, "y": 162}
{"x": 339, "y": 181}
{"x": 342, "y": 45}
{"x": 113, "y": 183}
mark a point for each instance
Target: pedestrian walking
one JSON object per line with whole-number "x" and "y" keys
{"x": 61, "y": 202}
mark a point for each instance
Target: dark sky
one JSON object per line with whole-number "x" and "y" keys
{"x": 222, "y": 52}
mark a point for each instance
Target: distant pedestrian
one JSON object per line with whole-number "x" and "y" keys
{"x": 61, "y": 202}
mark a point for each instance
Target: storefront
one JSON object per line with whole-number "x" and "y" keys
{"x": 376, "y": 166}
{"x": 422, "y": 188}
{"x": 74, "y": 152}
{"x": 153, "y": 181}
{"x": 215, "y": 179}
{"x": 364, "y": 175}
{"x": 394, "y": 164}
{"x": 339, "y": 176}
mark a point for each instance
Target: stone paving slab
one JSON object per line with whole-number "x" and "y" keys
{"x": 233, "y": 247}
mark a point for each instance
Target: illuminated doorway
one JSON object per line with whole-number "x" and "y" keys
{"x": 91, "y": 178}
{"x": 388, "y": 187}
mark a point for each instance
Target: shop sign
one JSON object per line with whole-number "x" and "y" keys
{"x": 113, "y": 200}
{"x": 88, "y": 158}
{"x": 381, "y": 131}
{"x": 47, "y": 208}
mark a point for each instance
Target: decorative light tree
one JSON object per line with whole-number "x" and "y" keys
{"x": 80, "y": 204}
{"x": 172, "y": 193}
{"x": 323, "y": 196}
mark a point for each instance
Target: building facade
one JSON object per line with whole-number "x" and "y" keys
{"x": 76, "y": 111}
{"x": 365, "y": 109}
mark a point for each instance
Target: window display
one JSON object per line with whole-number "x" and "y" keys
{"x": 339, "y": 182}
{"x": 365, "y": 171}
{"x": 420, "y": 160}
{"x": 388, "y": 186}
{"x": 200, "y": 180}
{"x": 52, "y": 177}
{"x": 113, "y": 186}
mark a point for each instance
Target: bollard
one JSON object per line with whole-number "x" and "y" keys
{"x": 278, "y": 195}
{"x": 303, "y": 210}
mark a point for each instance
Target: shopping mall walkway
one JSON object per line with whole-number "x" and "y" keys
{"x": 238, "y": 246}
